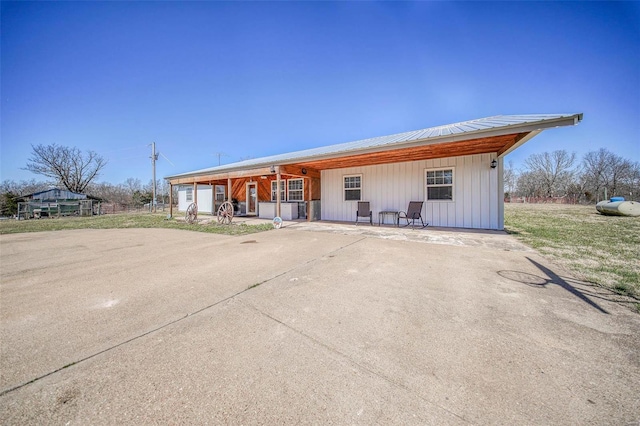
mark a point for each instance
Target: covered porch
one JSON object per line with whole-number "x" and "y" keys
{"x": 251, "y": 189}
{"x": 256, "y": 187}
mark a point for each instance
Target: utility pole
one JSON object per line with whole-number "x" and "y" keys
{"x": 154, "y": 158}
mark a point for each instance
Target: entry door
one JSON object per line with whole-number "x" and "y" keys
{"x": 252, "y": 198}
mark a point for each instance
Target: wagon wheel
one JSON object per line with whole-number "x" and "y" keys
{"x": 192, "y": 213}
{"x": 225, "y": 213}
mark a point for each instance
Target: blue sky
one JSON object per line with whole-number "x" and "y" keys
{"x": 250, "y": 79}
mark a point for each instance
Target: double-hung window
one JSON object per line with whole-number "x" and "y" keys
{"x": 189, "y": 193}
{"x": 296, "y": 189}
{"x": 440, "y": 185}
{"x": 352, "y": 186}
{"x": 274, "y": 190}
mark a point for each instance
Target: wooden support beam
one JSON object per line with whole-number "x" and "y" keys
{"x": 515, "y": 141}
{"x": 229, "y": 190}
{"x": 195, "y": 192}
{"x": 262, "y": 171}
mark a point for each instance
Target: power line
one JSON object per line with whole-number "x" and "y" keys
{"x": 165, "y": 157}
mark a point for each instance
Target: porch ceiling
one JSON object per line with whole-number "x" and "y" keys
{"x": 497, "y": 144}
{"x": 312, "y": 168}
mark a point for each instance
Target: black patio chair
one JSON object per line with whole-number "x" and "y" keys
{"x": 364, "y": 211}
{"x": 413, "y": 213}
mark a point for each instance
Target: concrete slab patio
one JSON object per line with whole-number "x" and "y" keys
{"x": 306, "y": 325}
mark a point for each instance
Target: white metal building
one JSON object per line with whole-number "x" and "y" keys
{"x": 456, "y": 170}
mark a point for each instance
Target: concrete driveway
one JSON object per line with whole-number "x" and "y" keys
{"x": 306, "y": 325}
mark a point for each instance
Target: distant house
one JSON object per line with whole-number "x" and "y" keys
{"x": 455, "y": 169}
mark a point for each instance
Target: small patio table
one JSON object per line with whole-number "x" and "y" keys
{"x": 383, "y": 213}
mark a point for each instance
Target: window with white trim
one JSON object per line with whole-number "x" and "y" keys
{"x": 440, "y": 185}
{"x": 352, "y": 186}
{"x": 274, "y": 190}
{"x": 189, "y": 193}
{"x": 295, "y": 189}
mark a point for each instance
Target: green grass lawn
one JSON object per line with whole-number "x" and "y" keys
{"x": 125, "y": 220}
{"x": 604, "y": 250}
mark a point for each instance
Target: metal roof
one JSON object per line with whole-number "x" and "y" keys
{"x": 482, "y": 127}
{"x": 56, "y": 193}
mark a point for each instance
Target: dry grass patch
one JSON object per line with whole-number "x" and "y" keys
{"x": 125, "y": 220}
{"x": 600, "y": 249}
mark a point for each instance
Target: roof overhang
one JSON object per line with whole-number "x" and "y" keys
{"x": 501, "y": 140}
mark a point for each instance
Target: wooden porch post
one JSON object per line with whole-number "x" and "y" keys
{"x": 309, "y": 181}
{"x": 229, "y": 190}
{"x": 170, "y": 200}
{"x": 195, "y": 192}
{"x": 278, "y": 201}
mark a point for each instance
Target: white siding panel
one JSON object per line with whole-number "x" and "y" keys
{"x": 476, "y": 201}
{"x": 466, "y": 190}
{"x": 493, "y": 195}
{"x": 475, "y": 192}
{"x": 458, "y": 194}
{"x": 500, "y": 194}
{"x": 205, "y": 194}
{"x": 452, "y": 208}
{"x": 182, "y": 199}
{"x": 204, "y": 198}
{"x": 485, "y": 219}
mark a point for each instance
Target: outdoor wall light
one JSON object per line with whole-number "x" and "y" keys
{"x": 273, "y": 169}
{"x": 494, "y": 163}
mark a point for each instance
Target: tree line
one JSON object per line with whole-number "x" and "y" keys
{"x": 558, "y": 175}
{"x": 548, "y": 176}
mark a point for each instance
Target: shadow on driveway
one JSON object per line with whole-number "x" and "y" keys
{"x": 553, "y": 278}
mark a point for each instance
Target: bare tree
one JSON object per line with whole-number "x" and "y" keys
{"x": 133, "y": 185}
{"x": 608, "y": 174}
{"x": 528, "y": 184}
{"x": 110, "y": 193}
{"x": 634, "y": 192}
{"x": 510, "y": 179}
{"x": 553, "y": 171}
{"x": 594, "y": 166}
{"x": 68, "y": 166}
{"x": 23, "y": 187}
{"x": 163, "y": 187}
{"x": 11, "y": 192}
